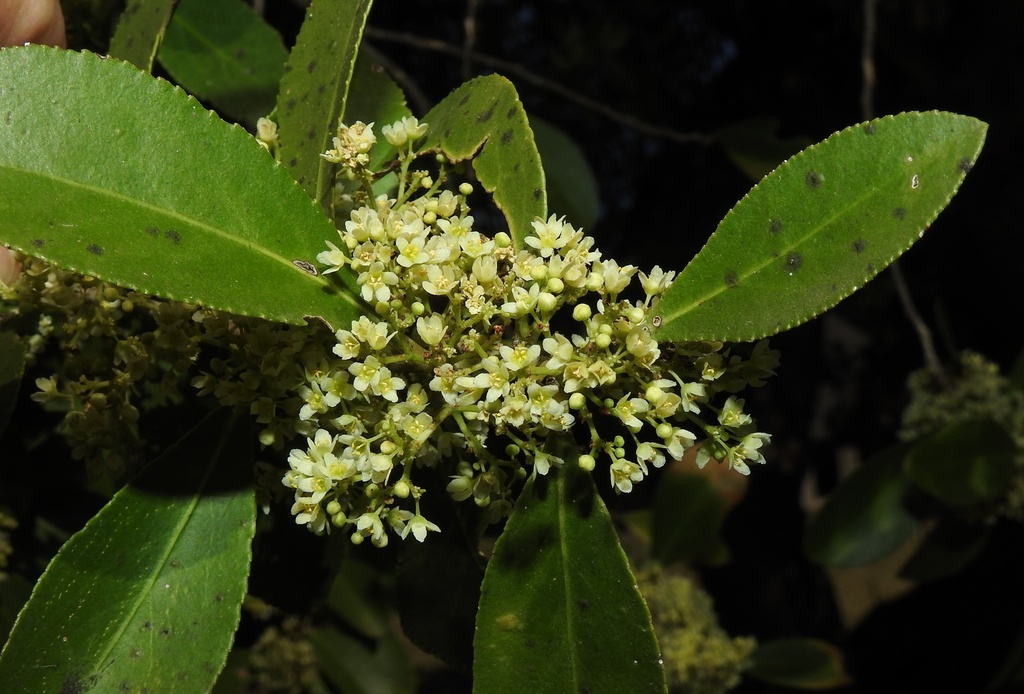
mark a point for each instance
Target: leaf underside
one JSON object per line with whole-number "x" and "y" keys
{"x": 484, "y": 119}
{"x": 146, "y": 189}
{"x": 820, "y": 226}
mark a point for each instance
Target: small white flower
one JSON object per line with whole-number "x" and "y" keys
{"x": 418, "y": 526}
{"x": 430, "y": 328}
{"x": 409, "y": 129}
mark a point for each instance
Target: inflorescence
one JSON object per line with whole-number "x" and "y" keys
{"x": 475, "y": 356}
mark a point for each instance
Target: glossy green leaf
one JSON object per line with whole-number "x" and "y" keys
{"x": 222, "y": 52}
{"x": 148, "y": 594}
{"x": 948, "y": 549}
{"x": 560, "y": 610}
{"x": 485, "y": 120}
{"x": 820, "y": 226}
{"x": 799, "y": 664}
{"x": 865, "y": 517}
{"x": 965, "y": 463}
{"x": 356, "y": 667}
{"x": 140, "y": 30}
{"x": 688, "y": 517}
{"x": 12, "y": 367}
{"x": 155, "y": 192}
{"x": 572, "y": 188}
{"x": 315, "y": 89}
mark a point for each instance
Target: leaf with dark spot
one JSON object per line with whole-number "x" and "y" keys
{"x": 140, "y": 30}
{"x": 321, "y": 108}
{"x": 834, "y": 194}
{"x": 139, "y": 154}
{"x": 512, "y": 173}
{"x": 193, "y": 504}
{"x": 557, "y": 585}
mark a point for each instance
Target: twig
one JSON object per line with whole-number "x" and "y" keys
{"x": 542, "y": 83}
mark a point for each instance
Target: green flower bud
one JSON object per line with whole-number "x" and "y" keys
{"x": 401, "y": 489}
{"x": 664, "y": 430}
{"x": 333, "y": 508}
{"x": 603, "y": 341}
{"x": 267, "y": 438}
{"x": 555, "y": 285}
{"x": 581, "y": 312}
{"x": 654, "y": 395}
{"x": 547, "y": 302}
{"x": 466, "y": 188}
{"x": 502, "y": 240}
{"x": 587, "y": 462}
{"x": 577, "y": 401}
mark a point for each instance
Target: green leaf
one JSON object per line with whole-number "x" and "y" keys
{"x": 315, "y": 88}
{"x": 148, "y": 594}
{"x": 688, "y": 516}
{"x": 799, "y": 664}
{"x": 354, "y": 667}
{"x": 484, "y": 119}
{"x": 12, "y": 367}
{"x": 155, "y": 193}
{"x": 224, "y": 53}
{"x": 948, "y": 549}
{"x": 964, "y": 463}
{"x": 572, "y": 188}
{"x": 820, "y": 226}
{"x": 560, "y": 610}
{"x": 865, "y": 518}
{"x": 140, "y": 30}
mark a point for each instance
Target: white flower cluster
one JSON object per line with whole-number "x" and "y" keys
{"x": 462, "y": 363}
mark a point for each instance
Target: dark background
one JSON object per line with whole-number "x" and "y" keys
{"x": 696, "y": 67}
